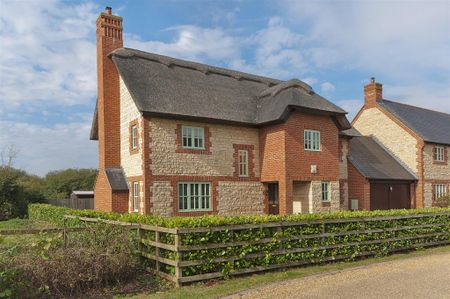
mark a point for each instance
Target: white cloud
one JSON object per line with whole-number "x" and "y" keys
{"x": 191, "y": 42}
{"x": 47, "y": 54}
{"x": 44, "y": 148}
{"x": 327, "y": 88}
{"x": 405, "y": 43}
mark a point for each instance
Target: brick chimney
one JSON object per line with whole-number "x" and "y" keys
{"x": 373, "y": 92}
{"x": 109, "y": 38}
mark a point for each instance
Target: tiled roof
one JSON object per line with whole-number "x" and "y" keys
{"x": 376, "y": 162}
{"x": 431, "y": 126}
{"x": 116, "y": 178}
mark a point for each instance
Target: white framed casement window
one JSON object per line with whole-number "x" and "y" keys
{"x": 193, "y": 137}
{"x": 134, "y": 137}
{"x": 325, "y": 191}
{"x": 194, "y": 196}
{"x": 243, "y": 163}
{"x": 312, "y": 140}
{"x": 439, "y": 190}
{"x": 439, "y": 153}
{"x": 136, "y": 196}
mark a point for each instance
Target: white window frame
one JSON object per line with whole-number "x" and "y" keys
{"x": 325, "y": 191}
{"x": 136, "y": 196}
{"x": 134, "y": 135}
{"x": 243, "y": 163}
{"x": 192, "y": 135}
{"x": 439, "y": 153}
{"x": 311, "y": 140}
{"x": 440, "y": 190}
{"x": 194, "y": 196}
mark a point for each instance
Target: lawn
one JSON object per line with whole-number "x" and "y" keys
{"x": 23, "y": 224}
{"x": 223, "y": 288}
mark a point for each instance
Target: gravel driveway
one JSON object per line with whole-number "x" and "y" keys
{"x": 418, "y": 277}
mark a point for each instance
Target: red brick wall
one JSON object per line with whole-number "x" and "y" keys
{"x": 358, "y": 188}
{"x": 102, "y": 193}
{"x": 284, "y": 160}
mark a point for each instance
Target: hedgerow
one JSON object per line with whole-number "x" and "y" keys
{"x": 301, "y": 239}
{"x": 55, "y": 214}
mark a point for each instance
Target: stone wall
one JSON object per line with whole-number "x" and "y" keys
{"x": 432, "y": 170}
{"x": 131, "y": 162}
{"x": 374, "y": 122}
{"x": 167, "y": 161}
{"x": 316, "y": 192}
{"x": 240, "y": 198}
{"x": 161, "y": 198}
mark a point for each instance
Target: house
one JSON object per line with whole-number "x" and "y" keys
{"x": 182, "y": 138}
{"x": 416, "y": 137}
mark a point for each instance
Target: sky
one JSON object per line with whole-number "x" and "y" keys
{"x": 48, "y": 57}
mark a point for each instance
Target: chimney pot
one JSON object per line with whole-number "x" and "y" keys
{"x": 108, "y": 10}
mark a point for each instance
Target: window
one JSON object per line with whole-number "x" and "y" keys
{"x": 243, "y": 163}
{"x": 439, "y": 190}
{"x": 325, "y": 191}
{"x": 439, "y": 153}
{"x": 136, "y": 196}
{"x": 193, "y": 137}
{"x": 194, "y": 197}
{"x": 134, "y": 137}
{"x": 312, "y": 140}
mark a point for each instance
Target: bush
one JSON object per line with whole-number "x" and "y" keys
{"x": 443, "y": 201}
{"x": 92, "y": 260}
{"x": 56, "y": 214}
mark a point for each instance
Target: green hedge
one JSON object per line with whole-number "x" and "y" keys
{"x": 318, "y": 241}
{"x": 55, "y": 215}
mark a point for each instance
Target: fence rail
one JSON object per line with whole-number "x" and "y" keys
{"x": 168, "y": 250}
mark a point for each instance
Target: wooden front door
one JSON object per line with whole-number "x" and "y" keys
{"x": 274, "y": 205}
{"x": 385, "y": 196}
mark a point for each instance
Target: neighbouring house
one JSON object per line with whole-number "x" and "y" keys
{"x": 417, "y": 138}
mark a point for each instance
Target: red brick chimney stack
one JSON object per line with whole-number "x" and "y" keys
{"x": 109, "y": 38}
{"x": 373, "y": 92}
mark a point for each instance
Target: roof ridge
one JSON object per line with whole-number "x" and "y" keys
{"x": 201, "y": 67}
{"x": 413, "y": 106}
{"x": 292, "y": 83}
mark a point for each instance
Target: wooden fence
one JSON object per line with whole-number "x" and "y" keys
{"x": 74, "y": 203}
{"x": 166, "y": 248}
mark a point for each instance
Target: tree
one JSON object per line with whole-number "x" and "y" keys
{"x": 59, "y": 184}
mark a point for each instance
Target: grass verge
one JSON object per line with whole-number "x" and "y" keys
{"x": 237, "y": 284}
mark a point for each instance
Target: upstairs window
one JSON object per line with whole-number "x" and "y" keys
{"x": 194, "y": 196}
{"x": 243, "y": 163}
{"x": 312, "y": 140}
{"x": 134, "y": 137}
{"x": 439, "y": 153}
{"x": 193, "y": 137}
{"x": 325, "y": 191}
{"x": 439, "y": 190}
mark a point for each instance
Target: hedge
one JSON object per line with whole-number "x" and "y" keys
{"x": 187, "y": 249}
{"x": 55, "y": 214}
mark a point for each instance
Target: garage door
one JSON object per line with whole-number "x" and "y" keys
{"x": 384, "y": 196}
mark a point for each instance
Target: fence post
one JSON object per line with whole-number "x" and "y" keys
{"x": 178, "y": 269}
{"x": 157, "y": 250}
{"x": 64, "y": 232}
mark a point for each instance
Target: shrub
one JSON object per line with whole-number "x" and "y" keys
{"x": 56, "y": 214}
{"x": 443, "y": 201}
{"x": 93, "y": 259}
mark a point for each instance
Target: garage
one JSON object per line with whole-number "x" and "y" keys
{"x": 390, "y": 195}
{"x": 377, "y": 180}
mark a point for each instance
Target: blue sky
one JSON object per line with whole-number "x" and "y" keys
{"x": 48, "y": 71}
